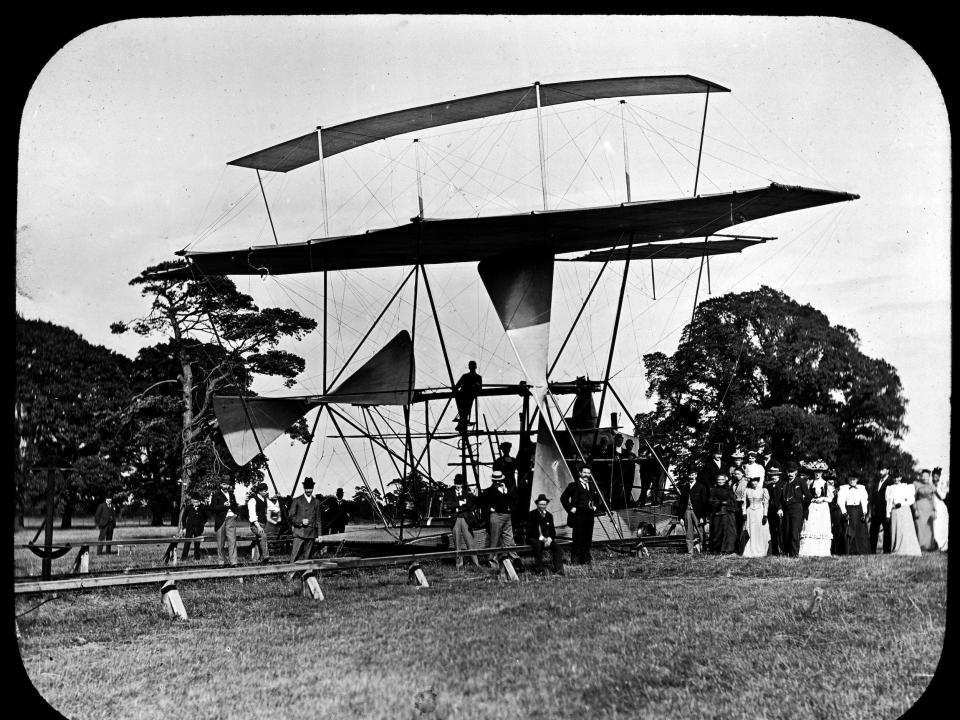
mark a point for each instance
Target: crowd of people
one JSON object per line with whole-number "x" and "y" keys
{"x": 307, "y": 517}
{"x": 756, "y": 508}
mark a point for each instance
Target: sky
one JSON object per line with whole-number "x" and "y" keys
{"x": 126, "y": 132}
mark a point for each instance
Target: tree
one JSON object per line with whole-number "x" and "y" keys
{"x": 759, "y": 365}
{"x": 216, "y": 340}
{"x": 68, "y": 393}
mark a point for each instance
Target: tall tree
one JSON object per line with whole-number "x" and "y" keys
{"x": 216, "y": 340}
{"x": 68, "y": 392}
{"x": 758, "y": 364}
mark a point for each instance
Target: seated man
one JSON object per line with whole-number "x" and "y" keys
{"x": 542, "y": 535}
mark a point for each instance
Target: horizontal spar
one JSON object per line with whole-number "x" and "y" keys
{"x": 162, "y": 576}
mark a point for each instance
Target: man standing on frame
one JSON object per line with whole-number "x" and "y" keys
{"x": 223, "y": 506}
{"x": 467, "y": 389}
{"x": 578, "y": 500}
{"x": 305, "y": 519}
{"x": 105, "y": 518}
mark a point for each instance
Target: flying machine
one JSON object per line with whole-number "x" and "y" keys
{"x": 516, "y": 256}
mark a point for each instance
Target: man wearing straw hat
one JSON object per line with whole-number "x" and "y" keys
{"x": 542, "y": 536}
{"x": 499, "y": 500}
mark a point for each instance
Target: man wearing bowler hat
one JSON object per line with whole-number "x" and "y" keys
{"x": 305, "y": 519}
{"x": 542, "y": 536}
{"x": 462, "y": 506}
{"x": 774, "y": 486}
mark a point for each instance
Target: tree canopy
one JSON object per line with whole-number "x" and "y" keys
{"x": 213, "y": 340}
{"x": 758, "y": 365}
{"x": 68, "y": 393}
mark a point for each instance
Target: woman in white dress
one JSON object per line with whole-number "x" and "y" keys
{"x": 815, "y": 538}
{"x": 757, "y": 500}
{"x": 941, "y": 521}
{"x": 903, "y": 533}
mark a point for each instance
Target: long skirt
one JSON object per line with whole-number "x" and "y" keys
{"x": 838, "y": 545}
{"x": 758, "y": 545}
{"x": 941, "y": 522}
{"x": 924, "y": 522}
{"x": 903, "y": 533}
{"x": 855, "y": 532}
{"x": 723, "y": 533}
{"x": 815, "y": 537}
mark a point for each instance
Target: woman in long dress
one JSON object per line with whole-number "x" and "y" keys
{"x": 925, "y": 510}
{"x": 853, "y": 501}
{"x": 903, "y": 533}
{"x": 941, "y": 521}
{"x": 723, "y": 527}
{"x": 815, "y": 538}
{"x": 757, "y": 500}
{"x": 838, "y": 545}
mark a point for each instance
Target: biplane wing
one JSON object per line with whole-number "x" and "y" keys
{"x": 305, "y": 149}
{"x": 552, "y": 232}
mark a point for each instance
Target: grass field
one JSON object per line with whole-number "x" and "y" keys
{"x": 668, "y": 636}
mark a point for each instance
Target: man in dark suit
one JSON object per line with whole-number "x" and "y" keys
{"x": 774, "y": 487}
{"x": 467, "y": 389}
{"x": 305, "y": 518}
{"x": 542, "y": 536}
{"x": 105, "y": 518}
{"x": 628, "y": 465}
{"x": 795, "y": 499}
{"x": 878, "y": 511}
{"x": 694, "y": 508}
{"x": 194, "y": 518}
{"x": 713, "y": 467}
{"x": 338, "y": 510}
{"x": 225, "y": 511}
{"x": 578, "y": 500}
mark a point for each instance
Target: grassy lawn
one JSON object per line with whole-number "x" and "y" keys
{"x": 668, "y": 636}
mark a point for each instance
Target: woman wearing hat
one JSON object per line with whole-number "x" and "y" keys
{"x": 816, "y": 536}
{"x": 903, "y": 533}
{"x": 756, "y": 501}
{"x": 542, "y": 535}
{"x": 723, "y": 528}
{"x": 925, "y": 510}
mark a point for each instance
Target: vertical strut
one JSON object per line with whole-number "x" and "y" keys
{"x": 269, "y": 217}
{"x": 416, "y": 154}
{"x": 613, "y": 340}
{"x": 323, "y": 182}
{"x": 703, "y": 127}
{"x": 543, "y": 159}
{"x": 699, "y": 275}
{"x": 626, "y": 155}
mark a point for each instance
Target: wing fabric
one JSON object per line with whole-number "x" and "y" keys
{"x": 551, "y": 475}
{"x": 521, "y": 291}
{"x": 384, "y": 379}
{"x": 305, "y": 149}
{"x": 543, "y": 232}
